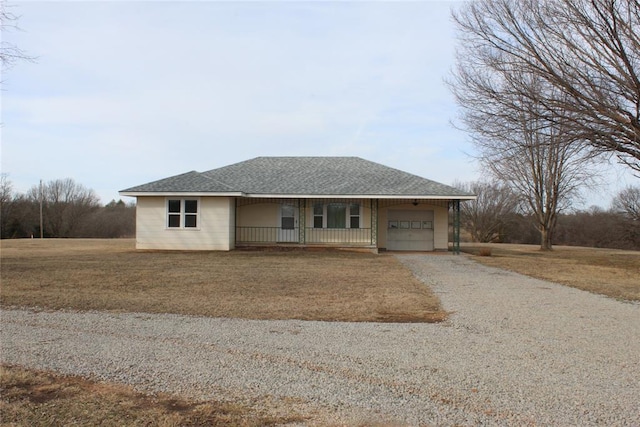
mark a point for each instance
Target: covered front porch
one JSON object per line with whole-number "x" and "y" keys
{"x": 327, "y": 222}
{"x": 351, "y": 223}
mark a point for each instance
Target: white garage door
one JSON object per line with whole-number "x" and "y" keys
{"x": 410, "y": 230}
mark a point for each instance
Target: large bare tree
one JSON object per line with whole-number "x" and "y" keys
{"x": 486, "y": 217}
{"x": 523, "y": 139}
{"x": 521, "y": 143}
{"x": 587, "y": 51}
{"x": 543, "y": 168}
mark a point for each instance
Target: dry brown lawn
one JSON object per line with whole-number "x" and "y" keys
{"x": 611, "y": 272}
{"x": 86, "y": 274}
{"x": 331, "y": 285}
{"x": 34, "y": 398}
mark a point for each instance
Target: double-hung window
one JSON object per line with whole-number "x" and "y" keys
{"x": 318, "y": 215}
{"x": 354, "y": 215}
{"x": 336, "y": 215}
{"x": 182, "y": 213}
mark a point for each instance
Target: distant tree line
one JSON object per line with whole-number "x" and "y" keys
{"x": 68, "y": 210}
{"x": 498, "y": 215}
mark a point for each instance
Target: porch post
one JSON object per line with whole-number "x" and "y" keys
{"x": 456, "y": 227}
{"x": 301, "y": 221}
{"x": 374, "y": 222}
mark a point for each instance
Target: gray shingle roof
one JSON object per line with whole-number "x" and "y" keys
{"x": 191, "y": 182}
{"x": 297, "y": 176}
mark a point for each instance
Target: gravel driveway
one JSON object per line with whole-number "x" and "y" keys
{"x": 515, "y": 351}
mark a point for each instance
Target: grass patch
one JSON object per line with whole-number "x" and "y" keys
{"x": 87, "y": 274}
{"x": 34, "y": 398}
{"x": 611, "y": 272}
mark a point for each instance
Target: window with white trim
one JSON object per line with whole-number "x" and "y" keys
{"x": 183, "y": 213}
{"x": 336, "y": 215}
{"x": 318, "y": 215}
{"x": 354, "y": 215}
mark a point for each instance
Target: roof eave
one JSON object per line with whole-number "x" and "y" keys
{"x": 291, "y": 196}
{"x": 360, "y": 196}
{"x": 180, "y": 194}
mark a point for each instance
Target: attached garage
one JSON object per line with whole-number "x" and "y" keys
{"x": 410, "y": 230}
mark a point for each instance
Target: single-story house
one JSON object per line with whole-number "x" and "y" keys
{"x": 301, "y": 201}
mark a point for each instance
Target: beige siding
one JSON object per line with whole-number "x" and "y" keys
{"x": 441, "y": 229}
{"x": 259, "y": 215}
{"x": 382, "y": 227}
{"x": 215, "y": 231}
{"x": 218, "y": 215}
{"x": 440, "y": 223}
{"x": 232, "y": 223}
{"x": 257, "y": 222}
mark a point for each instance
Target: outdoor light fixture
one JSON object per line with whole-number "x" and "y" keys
{"x": 415, "y": 202}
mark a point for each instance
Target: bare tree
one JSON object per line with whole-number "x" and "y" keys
{"x": 546, "y": 171}
{"x": 9, "y": 52}
{"x": 525, "y": 142}
{"x": 66, "y": 205}
{"x": 21, "y": 218}
{"x": 627, "y": 203}
{"x": 532, "y": 153}
{"x": 114, "y": 220}
{"x": 486, "y": 217}
{"x": 6, "y": 188}
{"x": 70, "y": 210}
{"x": 586, "y": 51}
{"x": 6, "y": 197}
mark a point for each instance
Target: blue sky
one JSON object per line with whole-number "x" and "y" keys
{"x": 124, "y": 93}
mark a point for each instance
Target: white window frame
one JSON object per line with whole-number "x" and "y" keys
{"x": 182, "y": 213}
{"x": 323, "y": 216}
{"x": 351, "y": 216}
{"x": 347, "y": 214}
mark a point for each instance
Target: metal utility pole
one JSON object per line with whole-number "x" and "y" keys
{"x": 41, "y": 221}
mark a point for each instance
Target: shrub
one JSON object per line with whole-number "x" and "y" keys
{"x": 485, "y": 252}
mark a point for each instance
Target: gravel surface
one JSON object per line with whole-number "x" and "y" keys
{"x": 514, "y": 351}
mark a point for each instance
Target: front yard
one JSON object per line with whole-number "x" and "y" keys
{"x": 85, "y": 274}
{"x": 611, "y": 272}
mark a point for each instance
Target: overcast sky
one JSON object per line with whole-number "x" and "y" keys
{"x": 123, "y": 93}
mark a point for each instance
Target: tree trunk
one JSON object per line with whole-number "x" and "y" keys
{"x": 545, "y": 239}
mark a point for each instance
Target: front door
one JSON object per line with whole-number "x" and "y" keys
{"x": 288, "y": 230}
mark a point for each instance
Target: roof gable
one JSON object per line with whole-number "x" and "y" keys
{"x": 304, "y": 176}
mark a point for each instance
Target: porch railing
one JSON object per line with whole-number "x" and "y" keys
{"x": 265, "y": 235}
{"x": 350, "y": 236}
{"x": 347, "y": 236}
